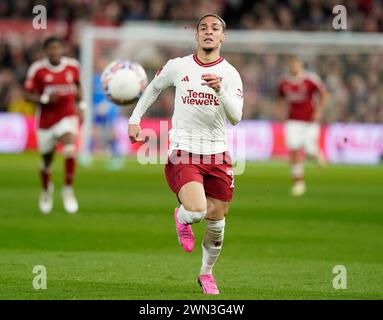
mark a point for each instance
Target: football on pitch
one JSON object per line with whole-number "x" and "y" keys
{"x": 123, "y": 81}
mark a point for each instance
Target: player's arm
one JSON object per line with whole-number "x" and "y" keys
{"x": 42, "y": 99}
{"x": 81, "y": 103}
{"x": 281, "y": 103}
{"x": 320, "y": 107}
{"x": 319, "y": 87}
{"x": 231, "y": 97}
{"x": 31, "y": 89}
{"x": 280, "y": 110}
{"x": 161, "y": 81}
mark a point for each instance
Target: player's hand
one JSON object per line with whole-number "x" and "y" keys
{"x": 81, "y": 116}
{"x": 134, "y": 131}
{"x": 53, "y": 97}
{"x": 317, "y": 117}
{"x": 212, "y": 81}
{"x": 47, "y": 98}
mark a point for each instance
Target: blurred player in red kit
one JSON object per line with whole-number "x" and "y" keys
{"x": 299, "y": 89}
{"x": 53, "y": 83}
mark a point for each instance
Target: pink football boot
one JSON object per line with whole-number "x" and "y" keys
{"x": 207, "y": 282}
{"x": 184, "y": 233}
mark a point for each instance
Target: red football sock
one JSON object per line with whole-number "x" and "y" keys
{"x": 70, "y": 164}
{"x": 45, "y": 176}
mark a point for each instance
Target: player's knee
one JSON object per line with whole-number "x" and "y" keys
{"x": 222, "y": 210}
{"x": 69, "y": 151}
{"x": 195, "y": 207}
{"x": 217, "y": 215}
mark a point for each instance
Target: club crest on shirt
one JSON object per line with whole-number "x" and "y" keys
{"x": 69, "y": 76}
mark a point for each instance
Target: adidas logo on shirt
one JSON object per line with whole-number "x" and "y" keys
{"x": 186, "y": 78}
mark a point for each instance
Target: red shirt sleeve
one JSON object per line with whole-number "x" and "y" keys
{"x": 31, "y": 83}
{"x": 316, "y": 83}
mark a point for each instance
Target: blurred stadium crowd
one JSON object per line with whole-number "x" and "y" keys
{"x": 355, "y": 81}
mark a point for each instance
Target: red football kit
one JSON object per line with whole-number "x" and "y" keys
{"x": 63, "y": 79}
{"x": 299, "y": 93}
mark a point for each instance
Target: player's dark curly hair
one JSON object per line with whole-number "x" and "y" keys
{"x": 52, "y": 39}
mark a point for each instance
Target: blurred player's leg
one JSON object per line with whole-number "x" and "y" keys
{"x": 312, "y": 144}
{"x": 46, "y": 143}
{"x": 45, "y": 170}
{"x": 212, "y": 243}
{"x": 297, "y": 173}
{"x": 69, "y": 152}
{"x": 295, "y": 138}
{"x": 192, "y": 210}
{"x": 46, "y": 195}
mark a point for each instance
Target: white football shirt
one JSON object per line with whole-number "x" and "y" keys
{"x": 200, "y": 114}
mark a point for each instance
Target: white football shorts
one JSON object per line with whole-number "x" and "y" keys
{"x": 302, "y": 135}
{"x": 47, "y": 138}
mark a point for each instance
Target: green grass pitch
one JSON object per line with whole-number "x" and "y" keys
{"x": 122, "y": 244}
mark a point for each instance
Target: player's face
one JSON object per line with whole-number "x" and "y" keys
{"x": 210, "y": 34}
{"x": 295, "y": 66}
{"x": 54, "y": 52}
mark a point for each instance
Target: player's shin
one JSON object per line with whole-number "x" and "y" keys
{"x": 69, "y": 199}
{"x": 45, "y": 176}
{"x": 46, "y": 195}
{"x": 45, "y": 170}
{"x": 69, "y": 152}
{"x": 299, "y": 187}
{"x": 212, "y": 244}
{"x": 189, "y": 217}
{"x": 297, "y": 171}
